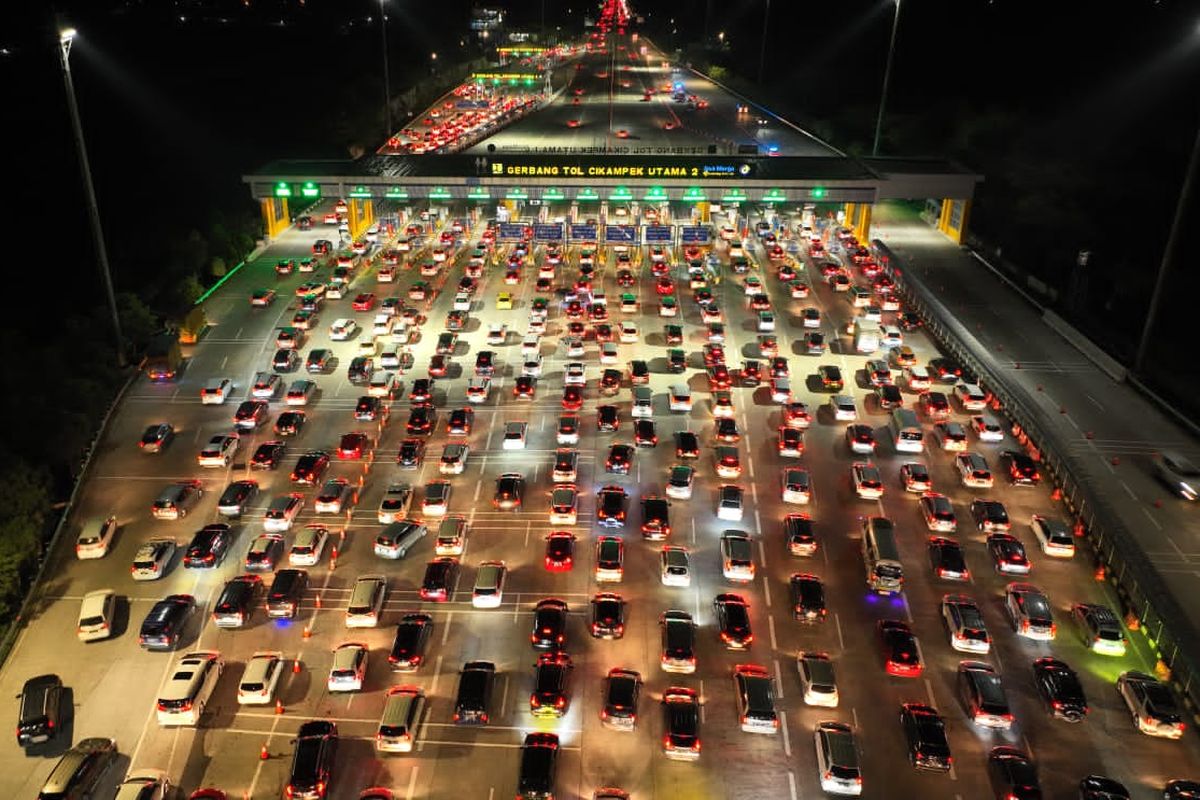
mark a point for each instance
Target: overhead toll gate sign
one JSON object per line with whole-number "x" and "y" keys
{"x": 695, "y": 234}
{"x": 510, "y": 231}
{"x": 694, "y": 195}
{"x": 553, "y": 193}
{"x": 479, "y": 193}
{"x": 310, "y": 190}
{"x": 548, "y": 232}
{"x": 610, "y": 167}
{"x": 655, "y": 194}
{"x": 657, "y": 233}
{"x": 439, "y": 193}
{"x": 620, "y": 234}
{"x": 396, "y": 193}
{"x": 587, "y": 193}
{"x": 360, "y": 193}
{"x": 734, "y": 196}
{"x": 283, "y": 189}
{"x": 583, "y": 233}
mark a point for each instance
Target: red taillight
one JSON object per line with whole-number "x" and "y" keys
{"x": 560, "y": 702}
{"x": 696, "y": 746}
{"x": 534, "y": 701}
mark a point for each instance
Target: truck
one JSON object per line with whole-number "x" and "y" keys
{"x": 866, "y": 335}
{"x": 163, "y": 358}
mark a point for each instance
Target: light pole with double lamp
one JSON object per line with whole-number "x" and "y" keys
{"x": 387, "y": 81}
{"x": 887, "y": 79}
{"x": 65, "y": 37}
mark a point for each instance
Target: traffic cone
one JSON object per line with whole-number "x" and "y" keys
{"x": 1056, "y": 494}
{"x": 263, "y": 755}
{"x": 307, "y": 632}
{"x": 318, "y": 601}
{"x": 1100, "y": 572}
{"x": 278, "y": 707}
{"x": 296, "y": 667}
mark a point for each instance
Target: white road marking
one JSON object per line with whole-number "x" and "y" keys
{"x": 437, "y": 673}
{"x": 1094, "y": 400}
{"x": 778, "y": 680}
{"x": 771, "y": 628}
{"x": 1128, "y": 491}
{"x": 766, "y": 590}
{"x": 446, "y": 626}
{"x": 762, "y": 551}
{"x": 702, "y": 700}
{"x": 504, "y": 696}
{"x": 412, "y": 783}
{"x": 787, "y": 742}
{"x": 1153, "y": 521}
{"x": 837, "y": 621}
{"x": 792, "y": 785}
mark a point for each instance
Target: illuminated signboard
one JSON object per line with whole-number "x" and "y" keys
{"x": 695, "y": 234}
{"x": 694, "y": 195}
{"x": 505, "y": 76}
{"x": 548, "y": 232}
{"x": 283, "y": 189}
{"x": 582, "y": 233}
{"x": 396, "y": 193}
{"x": 817, "y": 192}
{"x": 657, "y": 233}
{"x": 734, "y": 196}
{"x": 517, "y": 193}
{"x": 310, "y": 189}
{"x": 620, "y": 234}
{"x": 774, "y": 196}
{"x": 510, "y": 231}
{"x": 609, "y": 169}
{"x": 478, "y": 193}
{"x": 439, "y": 193}
{"x": 655, "y": 194}
{"x": 620, "y": 193}
{"x": 587, "y": 193}
{"x": 553, "y": 194}
{"x": 360, "y": 192}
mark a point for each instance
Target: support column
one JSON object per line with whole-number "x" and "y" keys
{"x": 703, "y": 208}
{"x": 849, "y": 211}
{"x": 944, "y": 217}
{"x": 275, "y": 215}
{"x": 954, "y": 217}
{"x": 359, "y": 215}
{"x": 862, "y": 228}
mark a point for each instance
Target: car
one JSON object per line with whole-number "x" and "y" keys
{"x": 733, "y": 621}
{"x": 551, "y": 696}
{"x": 938, "y": 512}
{"x": 407, "y": 653}
{"x": 441, "y": 575}
{"x": 1098, "y": 787}
{"x": 478, "y": 389}
{"x": 947, "y": 560}
{"x": 901, "y": 652}
{"x": 843, "y": 408}
{"x": 817, "y": 679}
{"x": 681, "y": 724}
{"x": 889, "y": 397}
{"x": 1177, "y": 473}
{"x": 152, "y": 559}
{"x": 285, "y": 360}
{"x": 411, "y": 454}
{"x": 1099, "y": 629}
{"x": 310, "y": 467}
{"x": 504, "y": 301}
{"x": 1181, "y": 790}
{"x": 342, "y": 330}
{"x": 311, "y": 771}
{"x": 610, "y": 507}
{"x": 268, "y": 455}
{"x": 915, "y": 477}
{"x": 981, "y": 693}
{"x": 607, "y": 616}
{"x": 730, "y": 505}
{"x": 964, "y": 624}
{"x": 319, "y": 360}
{"x": 164, "y": 624}
{"x": 1008, "y": 554}
{"x": 514, "y": 435}
{"x": 564, "y": 504}
{"x": 250, "y": 414}
{"x": 679, "y": 481}
{"x": 925, "y": 734}
{"x": 219, "y": 451}
{"x": 474, "y": 694}
{"x": 510, "y": 488}
{"x": 308, "y": 546}
{"x": 951, "y": 436}
{"x": 454, "y": 459}
{"x": 370, "y": 409}
{"x": 973, "y": 470}
{"x": 1012, "y": 774}
{"x": 300, "y": 392}
{"x": 264, "y": 553}
{"x": 421, "y": 420}
{"x": 282, "y": 511}
{"x": 1151, "y": 704}
{"x": 237, "y": 600}
{"x": 1022, "y": 469}
{"x": 987, "y": 428}
{"x": 421, "y": 393}
{"x": 1029, "y": 611}
{"x": 259, "y": 679}
{"x": 208, "y": 547}
{"x": 860, "y": 439}
{"x": 867, "y": 482}
{"x": 807, "y": 597}
{"x": 566, "y": 465}
{"x": 619, "y": 460}
{"x": 1053, "y": 536}
{"x": 644, "y": 434}
{"x": 990, "y": 516}
{"x": 622, "y": 687}
{"x": 656, "y": 518}
{"x": 1060, "y": 689}
{"x": 237, "y": 495}
{"x": 549, "y": 625}
{"x": 934, "y": 404}
{"x": 156, "y": 437}
{"x": 539, "y": 763}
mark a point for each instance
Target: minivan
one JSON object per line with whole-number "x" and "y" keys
{"x": 402, "y": 712}
{"x": 366, "y": 601}
{"x": 41, "y": 701}
{"x": 818, "y": 679}
{"x": 643, "y": 402}
{"x": 396, "y": 539}
{"x": 881, "y": 556}
{"x": 837, "y": 758}
{"x": 681, "y": 398}
{"x": 77, "y": 774}
{"x": 183, "y": 698}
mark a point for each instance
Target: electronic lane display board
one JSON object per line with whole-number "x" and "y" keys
{"x": 548, "y": 232}
{"x": 583, "y": 233}
{"x": 620, "y": 234}
{"x": 695, "y": 234}
{"x": 510, "y": 231}
{"x": 657, "y": 233}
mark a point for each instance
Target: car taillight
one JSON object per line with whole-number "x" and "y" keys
{"x": 560, "y": 702}
{"x": 534, "y": 701}
{"x": 696, "y": 746}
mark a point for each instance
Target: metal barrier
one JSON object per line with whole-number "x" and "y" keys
{"x": 1145, "y": 600}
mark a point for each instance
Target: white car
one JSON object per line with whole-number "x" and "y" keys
{"x": 574, "y": 347}
{"x": 489, "y": 585}
{"x": 1053, "y": 536}
{"x": 917, "y": 378}
{"x": 95, "y": 537}
{"x": 342, "y": 329}
{"x": 219, "y": 451}
{"x": 395, "y": 503}
{"x": 843, "y": 407}
{"x": 533, "y": 366}
{"x": 497, "y": 333}
{"x": 737, "y": 557}
{"x": 970, "y": 396}
{"x": 573, "y": 374}
{"x": 987, "y": 428}
{"x": 817, "y": 679}
{"x": 974, "y": 471}
{"x": 216, "y": 391}
{"x": 382, "y": 326}
{"x": 477, "y": 390}
{"x": 451, "y": 540}
{"x": 436, "y": 502}
{"x": 964, "y": 624}
{"x": 531, "y": 345}
{"x": 462, "y": 302}
{"x": 514, "y": 435}
{"x": 152, "y": 558}
{"x": 537, "y": 325}
{"x": 609, "y": 353}
{"x": 868, "y": 484}
{"x": 308, "y": 546}
{"x": 729, "y": 503}
{"x": 183, "y": 698}
{"x": 454, "y": 458}
{"x": 629, "y": 333}
{"x": 335, "y": 495}
{"x": 366, "y": 601}
{"x": 382, "y": 384}
{"x": 96, "y": 615}
{"x": 144, "y": 784}
{"x": 349, "y": 669}
{"x": 257, "y": 687}
{"x": 564, "y": 505}
{"x": 265, "y": 385}
{"x": 675, "y": 566}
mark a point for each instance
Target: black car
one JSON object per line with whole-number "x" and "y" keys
{"x": 1022, "y": 470}
{"x": 312, "y": 761}
{"x": 208, "y": 547}
{"x": 639, "y": 372}
{"x": 1181, "y": 790}
{"x": 1060, "y": 689}
{"x": 163, "y": 626}
{"x": 412, "y": 453}
{"x": 673, "y": 334}
{"x": 359, "y": 370}
{"x": 645, "y": 435}
{"x": 421, "y": 393}
{"x": 319, "y": 360}
{"x": 285, "y": 360}
{"x": 268, "y": 455}
{"x": 250, "y": 414}
{"x": 676, "y": 361}
{"x": 656, "y": 517}
{"x": 551, "y": 685}
{"x": 289, "y": 423}
{"x": 926, "y": 736}
{"x": 474, "y": 696}
{"x": 310, "y": 467}
{"x": 539, "y": 761}
{"x": 460, "y": 421}
{"x": 620, "y": 459}
{"x": 889, "y": 396}
{"x": 420, "y": 421}
{"x": 286, "y": 592}
{"x": 622, "y": 688}
{"x": 1013, "y": 775}
{"x": 945, "y": 370}
{"x": 369, "y": 409}
{"x": 909, "y": 321}
{"x": 236, "y": 496}
{"x": 946, "y": 558}
{"x": 808, "y": 598}
{"x": 156, "y": 437}
{"x": 549, "y": 625}
{"x": 814, "y": 343}
{"x": 237, "y": 601}
{"x": 733, "y": 621}
{"x": 831, "y": 377}
{"x": 1098, "y": 787}
{"x": 606, "y": 419}
{"x": 726, "y": 429}
{"x": 38, "y": 719}
{"x": 750, "y": 375}
{"x": 408, "y": 647}
{"x": 610, "y": 507}
{"x": 687, "y": 445}
{"x": 485, "y": 364}
{"x": 608, "y": 616}
{"x": 446, "y": 342}
{"x": 990, "y": 515}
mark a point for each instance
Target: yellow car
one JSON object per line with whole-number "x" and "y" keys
{"x": 904, "y": 356}
{"x": 504, "y": 301}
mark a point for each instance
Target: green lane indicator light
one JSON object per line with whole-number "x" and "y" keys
{"x": 553, "y": 193}
{"x": 734, "y": 196}
{"x": 774, "y": 196}
{"x": 310, "y": 189}
{"x": 396, "y": 193}
{"x": 439, "y": 193}
{"x": 587, "y": 193}
{"x": 478, "y": 193}
{"x": 621, "y": 193}
{"x": 655, "y": 194}
{"x": 360, "y": 192}
{"x": 817, "y": 192}
{"x": 516, "y": 193}
{"x": 694, "y": 195}
{"x": 283, "y": 189}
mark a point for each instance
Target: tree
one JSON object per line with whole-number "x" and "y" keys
{"x": 138, "y": 322}
{"x": 25, "y": 495}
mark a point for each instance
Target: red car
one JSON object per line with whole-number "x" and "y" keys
{"x": 901, "y": 654}
{"x": 718, "y": 377}
{"x": 625, "y": 278}
{"x": 660, "y": 269}
{"x": 364, "y": 302}
{"x": 664, "y": 285}
{"x": 572, "y": 398}
{"x": 353, "y": 445}
{"x": 604, "y": 332}
{"x": 560, "y": 551}
{"x": 524, "y": 388}
{"x": 438, "y": 365}
{"x": 713, "y": 354}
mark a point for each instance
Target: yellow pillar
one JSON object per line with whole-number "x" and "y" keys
{"x": 704, "y": 212}
{"x": 944, "y": 218}
{"x": 848, "y": 219}
{"x": 369, "y": 209}
{"x": 357, "y": 218}
{"x": 956, "y": 229}
{"x": 274, "y": 221}
{"x": 862, "y": 229}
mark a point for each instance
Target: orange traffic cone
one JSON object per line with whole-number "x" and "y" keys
{"x": 278, "y": 707}
{"x": 318, "y": 601}
{"x": 307, "y": 634}
{"x": 1100, "y": 573}
{"x": 296, "y": 667}
{"x": 1056, "y": 494}
{"x": 263, "y": 755}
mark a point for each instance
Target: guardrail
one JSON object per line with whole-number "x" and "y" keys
{"x": 1145, "y": 601}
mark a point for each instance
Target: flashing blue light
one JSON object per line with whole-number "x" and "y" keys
{"x": 283, "y": 622}
{"x": 773, "y": 149}
{"x": 897, "y": 601}
{"x": 872, "y": 597}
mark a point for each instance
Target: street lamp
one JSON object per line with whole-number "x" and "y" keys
{"x": 887, "y": 79}
{"x": 65, "y": 37}
{"x": 387, "y": 82}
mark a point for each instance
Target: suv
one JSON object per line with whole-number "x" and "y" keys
{"x": 755, "y": 697}
{"x": 287, "y": 589}
{"x": 474, "y": 693}
{"x": 78, "y": 773}
{"x": 1099, "y": 628}
{"x": 312, "y": 761}
{"x": 678, "y": 642}
{"x": 38, "y": 718}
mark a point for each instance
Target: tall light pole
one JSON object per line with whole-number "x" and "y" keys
{"x": 762, "y": 53}
{"x": 65, "y": 37}
{"x": 887, "y": 79}
{"x": 387, "y": 81}
{"x": 1169, "y": 253}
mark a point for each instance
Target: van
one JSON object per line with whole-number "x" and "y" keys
{"x": 182, "y": 700}
{"x": 681, "y": 398}
{"x": 366, "y": 601}
{"x": 837, "y": 758}
{"x": 396, "y": 539}
{"x": 642, "y": 402}
{"x": 755, "y": 698}
{"x": 906, "y": 431}
{"x": 881, "y": 556}
{"x": 41, "y": 702}
{"x": 401, "y": 715}
{"x": 817, "y": 679}
{"x": 78, "y": 773}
